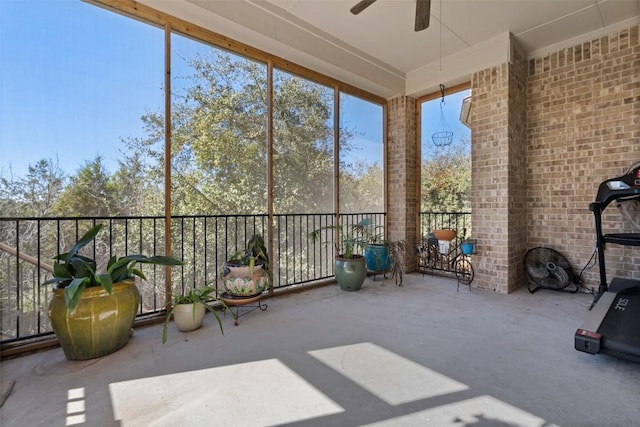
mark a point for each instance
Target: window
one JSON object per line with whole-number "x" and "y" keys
{"x": 446, "y": 170}
{"x": 361, "y": 156}
{"x": 219, "y": 131}
{"x": 302, "y": 145}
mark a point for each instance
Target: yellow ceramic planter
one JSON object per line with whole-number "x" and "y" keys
{"x": 100, "y": 324}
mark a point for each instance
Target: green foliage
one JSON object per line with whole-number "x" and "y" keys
{"x": 348, "y": 241}
{"x": 88, "y": 191}
{"x": 254, "y": 254}
{"x": 446, "y": 180}
{"x": 35, "y": 194}
{"x": 75, "y": 272}
{"x": 219, "y": 150}
{"x": 361, "y": 188}
{"x": 219, "y": 153}
{"x": 303, "y": 145}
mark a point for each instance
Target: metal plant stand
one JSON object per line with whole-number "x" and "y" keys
{"x": 249, "y": 304}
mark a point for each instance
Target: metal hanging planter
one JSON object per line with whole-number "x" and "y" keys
{"x": 443, "y": 135}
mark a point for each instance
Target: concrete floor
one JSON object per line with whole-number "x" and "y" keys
{"x": 419, "y": 355}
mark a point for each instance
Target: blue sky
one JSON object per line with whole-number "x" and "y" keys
{"x": 431, "y": 120}
{"x": 78, "y": 105}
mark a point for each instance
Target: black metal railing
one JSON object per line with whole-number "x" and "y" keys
{"x": 431, "y": 257}
{"x": 204, "y": 243}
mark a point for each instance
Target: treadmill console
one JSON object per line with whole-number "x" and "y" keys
{"x": 616, "y": 188}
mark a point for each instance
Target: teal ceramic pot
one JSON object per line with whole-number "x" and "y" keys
{"x": 100, "y": 324}
{"x": 350, "y": 272}
{"x": 377, "y": 258}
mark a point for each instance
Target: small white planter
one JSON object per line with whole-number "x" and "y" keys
{"x": 189, "y": 317}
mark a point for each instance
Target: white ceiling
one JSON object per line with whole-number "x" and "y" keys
{"x": 379, "y": 51}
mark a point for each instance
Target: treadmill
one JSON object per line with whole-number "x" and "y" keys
{"x": 612, "y": 325}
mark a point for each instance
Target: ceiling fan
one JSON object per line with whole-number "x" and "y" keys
{"x": 423, "y": 10}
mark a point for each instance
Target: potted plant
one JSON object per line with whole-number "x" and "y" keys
{"x": 92, "y": 311}
{"x": 382, "y": 255}
{"x": 350, "y": 266}
{"x": 247, "y": 272}
{"x": 188, "y": 310}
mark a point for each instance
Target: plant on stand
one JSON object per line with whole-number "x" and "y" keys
{"x": 382, "y": 255}
{"x": 247, "y": 273}
{"x": 92, "y": 311}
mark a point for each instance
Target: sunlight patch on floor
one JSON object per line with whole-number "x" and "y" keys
{"x": 75, "y": 407}
{"x": 389, "y": 376}
{"x": 478, "y": 411}
{"x": 258, "y": 393}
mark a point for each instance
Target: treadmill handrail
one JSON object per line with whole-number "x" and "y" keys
{"x": 625, "y": 239}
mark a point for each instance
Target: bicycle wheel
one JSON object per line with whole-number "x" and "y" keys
{"x": 464, "y": 271}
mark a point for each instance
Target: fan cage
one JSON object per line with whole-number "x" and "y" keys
{"x": 549, "y": 269}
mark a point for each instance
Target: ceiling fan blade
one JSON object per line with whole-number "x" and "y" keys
{"x": 423, "y": 11}
{"x": 362, "y": 5}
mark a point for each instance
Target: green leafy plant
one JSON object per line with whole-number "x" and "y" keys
{"x": 349, "y": 239}
{"x": 75, "y": 272}
{"x": 204, "y": 295}
{"x": 254, "y": 254}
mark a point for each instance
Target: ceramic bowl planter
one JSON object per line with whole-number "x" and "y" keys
{"x": 244, "y": 280}
{"x": 101, "y": 322}
{"x": 445, "y": 234}
{"x": 350, "y": 272}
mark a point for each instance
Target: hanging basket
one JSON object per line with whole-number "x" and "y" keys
{"x": 443, "y": 135}
{"x": 440, "y": 139}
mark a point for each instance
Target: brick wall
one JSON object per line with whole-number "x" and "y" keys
{"x": 498, "y": 173}
{"x": 517, "y": 208}
{"x": 403, "y": 166}
{"x": 545, "y": 133}
{"x": 489, "y": 187}
{"x": 583, "y": 125}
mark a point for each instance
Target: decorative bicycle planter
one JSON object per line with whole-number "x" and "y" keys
{"x": 439, "y": 254}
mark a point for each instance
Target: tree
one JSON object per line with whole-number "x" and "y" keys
{"x": 446, "y": 180}
{"x": 303, "y": 130}
{"x": 360, "y": 188}
{"x": 134, "y": 193}
{"x": 219, "y": 140}
{"x": 90, "y": 192}
{"x": 36, "y": 193}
